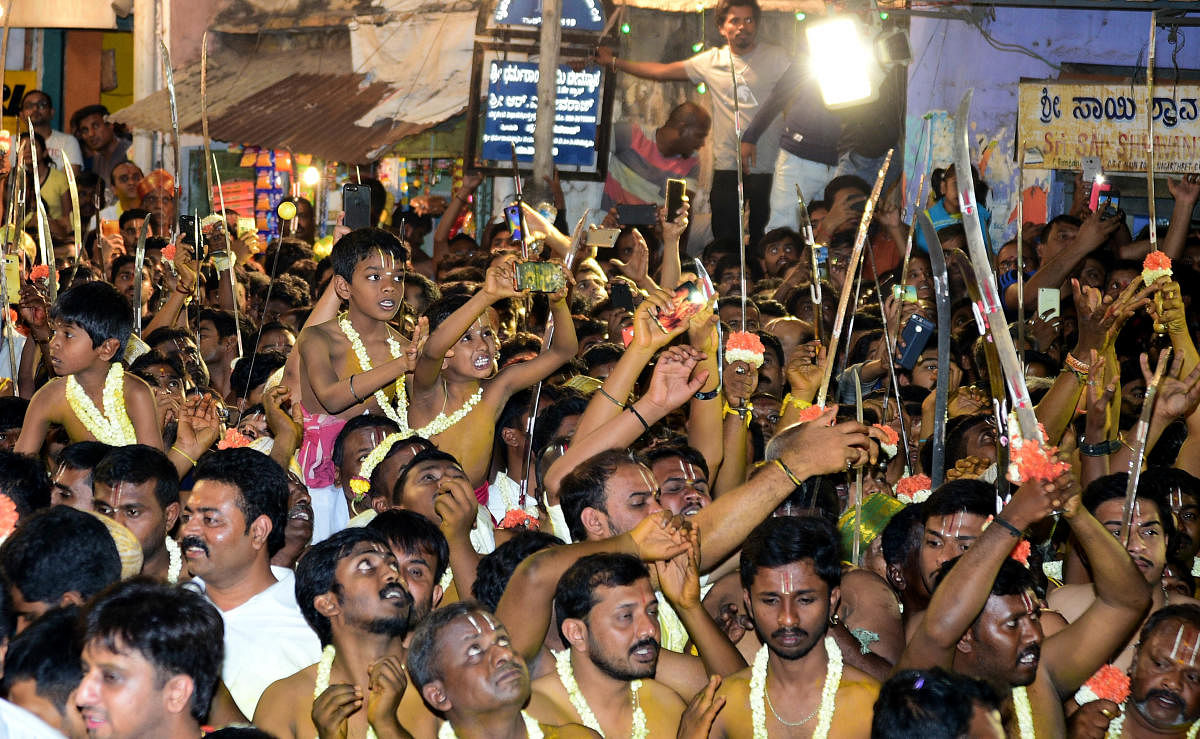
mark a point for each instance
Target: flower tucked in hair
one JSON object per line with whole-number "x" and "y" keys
{"x": 743, "y": 346}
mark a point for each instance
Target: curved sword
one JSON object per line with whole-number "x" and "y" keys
{"x": 941, "y": 296}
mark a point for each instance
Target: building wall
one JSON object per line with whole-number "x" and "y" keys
{"x": 950, "y": 56}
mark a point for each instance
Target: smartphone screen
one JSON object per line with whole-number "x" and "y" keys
{"x": 676, "y": 189}
{"x": 636, "y": 215}
{"x": 12, "y": 278}
{"x": 1048, "y": 302}
{"x": 1098, "y": 193}
{"x": 512, "y": 214}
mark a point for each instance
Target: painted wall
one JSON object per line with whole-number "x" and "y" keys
{"x": 950, "y": 56}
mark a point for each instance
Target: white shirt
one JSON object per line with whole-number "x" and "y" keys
{"x": 504, "y": 495}
{"x": 18, "y": 344}
{"x": 330, "y": 513}
{"x": 18, "y": 723}
{"x": 266, "y": 639}
{"x": 56, "y": 145}
{"x": 757, "y": 72}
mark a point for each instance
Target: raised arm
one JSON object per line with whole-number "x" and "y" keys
{"x": 563, "y": 345}
{"x": 663, "y": 72}
{"x": 1122, "y": 595}
{"x": 1185, "y": 191}
{"x": 527, "y": 601}
{"x": 441, "y": 235}
{"x": 1055, "y": 270}
{"x": 964, "y": 590}
{"x": 704, "y": 420}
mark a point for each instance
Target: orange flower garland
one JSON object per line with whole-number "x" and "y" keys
{"x": 233, "y": 439}
{"x": 1157, "y": 264}
{"x": 40, "y": 273}
{"x": 913, "y": 489}
{"x": 1109, "y": 683}
{"x": 743, "y": 346}
{"x": 519, "y": 519}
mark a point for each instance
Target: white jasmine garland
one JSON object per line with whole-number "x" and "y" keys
{"x": 398, "y": 412}
{"x": 758, "y": 691}
{"x": 567, "y": 676}
{"x": 443, "y": 422}
{"x": 1025, "y": 726}
{"x": 176, "y": 558}
{"x": 321, "y": 684}
{"x": 1117, "y": 727}
{"x": 532, "y": 729}
{"x": 112, "y": 426}
{"x": 1053, "y": 569}
{"x": 752, "y": 358}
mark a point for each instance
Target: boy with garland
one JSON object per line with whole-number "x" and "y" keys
{"x": 93, "y": 397}
{"x": 457, "y": 391}
{"x": 354, "y": 363}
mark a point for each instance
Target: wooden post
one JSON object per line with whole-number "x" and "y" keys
{"x": 145, "y": 71}
{"x": 543, "y": 132}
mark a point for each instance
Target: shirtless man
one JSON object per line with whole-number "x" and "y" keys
{"x": 1164, "y": 701}
{"x": 354, "y": 363}
{"x": 983, "y": 618}
{"x": 608, "y": 617}
{"x": 456, "y": 372}
{"x": 790, "y": 571}
{"x": 355, "y": 597}
{"x": 1152, "y": 528}
{"x": 464, "y": 666}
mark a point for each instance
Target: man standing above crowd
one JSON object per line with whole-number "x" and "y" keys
{"x": 642, "y": 161}
{"x": 105, "y": 149}
{"x": 757, "y": 68}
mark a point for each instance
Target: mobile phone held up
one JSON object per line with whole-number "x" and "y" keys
{"x": 356, "y": 206}
{"x": 676, "y": 191}
{"x": 540, "y": 277}
{"x": 637, "y": 215}
{"x": 512, "y": 215}
{"x": 690, "y": 297}
{"x": 914, "y": 339}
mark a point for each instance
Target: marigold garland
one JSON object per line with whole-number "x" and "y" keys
{"x": 891, "y": 445}
{"x": 1021, "y": 552}
{"x": 1032, "y": 460}
{"x": 1157, "y": 264}
{"x": 914, "y": 489}
{"x": 40, "y": 273}
{"x": 233, "y": 439}
{"x": 168, "y": 253}
{"x": 519, "y": 519}
{"x": 814, "y": 412}
{"x": 743, "y": 346}
{"x": 1110, "y": 683}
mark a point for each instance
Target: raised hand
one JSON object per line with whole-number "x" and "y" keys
{"x": 638, "y": 266}
{"x": 455, "y": 504}
{"x": 417, "y": 343}
{"x": 679, "y": 577}
{"x": 1096, "y": 229}
{"x": 672, "y": 383}
{"x": 34, "y": 308}
{"x": 1176, "y": 397}
{"x": 822, "y": 449}
{"x": 697, "y": 720}
{"x": 1044, "y": 329}
{"x": 647, "y": 333}
{"x": 1098, "y": 401}
{"x": 199, "y": 427}
{"x": 805, "y": 369}
{"x": 386, "y": 684}
{"x": 672, "y": 231}
{"x": 333, "y": 708}
{"x": 1168, "y": 310}
{"x": 741, "y": 379}
{"x": 502, "y": 280}
{"x": 657, "y": 537}
{"x": 1186, "y": 189}
{"x": 1036, "y": 499}
{"x": 279, "y": 420}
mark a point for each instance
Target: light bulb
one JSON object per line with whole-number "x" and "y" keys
{"x": 310, "y": 177}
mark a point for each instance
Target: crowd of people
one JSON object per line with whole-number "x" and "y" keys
{"x": 376, "y": 485}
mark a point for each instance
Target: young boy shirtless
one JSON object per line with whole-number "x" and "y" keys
{"x": 356, "y": 362}
{"x": 456, "y": 393}
{"x": 93, "y": 397}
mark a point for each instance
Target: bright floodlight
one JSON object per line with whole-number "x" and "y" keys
{"x": 844, "y": 64}
{"x": 311, "y": 176}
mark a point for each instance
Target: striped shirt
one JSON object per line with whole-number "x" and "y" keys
{"x": 638, "y": 171}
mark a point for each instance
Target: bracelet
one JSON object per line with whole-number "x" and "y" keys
{"x": 637, "y": 415}
{"x": 1103, "y": 449}
{"x": 1076, "y": 366}
{"x": 787, "y": 471}
{"x": 360, "y": 400}
{"x": 789, "y": 400}
{"x": 701, "y": 395}
{"x": 743, "y": 412}
{"x": 185, "y": 454}
{"x": 1007, "y": 526}
{"x": 615, "y": 402}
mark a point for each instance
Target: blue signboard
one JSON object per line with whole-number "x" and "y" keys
{"x": 577, "y": 15}
{"x": 512, "y": 109}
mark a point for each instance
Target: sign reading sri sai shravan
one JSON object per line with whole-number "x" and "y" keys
{"x": 1066, "y": 122}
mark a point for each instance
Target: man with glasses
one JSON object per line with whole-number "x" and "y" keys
{"x": 36, "y": 107}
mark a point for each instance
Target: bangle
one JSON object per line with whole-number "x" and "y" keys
{"x": 702, "y": 395}
{"x": 637, "y": 415}
{"x": 789, "y": 400}
{"x": 1007, "y": 526}
{"x": 615, "y": 402}
{"x": 787, "y": 471}
{"x": 185, "y": 454}
{"x": 1103, "y": 449}
{"x": 1079, "y": 368}
{"x": 742, "y": 411}
{"x": 360, "y": 400}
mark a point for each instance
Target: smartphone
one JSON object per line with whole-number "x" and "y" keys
{"x": 187, "y": 229}
{"x": 1048, "y": 302}
{"x": 12, "y": 278}
{"x": 676, "y": 192}
{"x": 540, "y": 277}
{"x": 1099, "y": 190}
{"x": 621, "y": 296}
{"x": 512, "y": 215}
{"x": 905, "y": 293}
{"x": 687, "y": 303}
{"x": 637, "y": 215}
{"x": 915, "y": 338}
{"x": 356, "y": 206}
{"x": 1091, "y": 170}
{"x": 603, "y": 238}
{"x": 245, "y": 226}
{"x": 110, "y": 227}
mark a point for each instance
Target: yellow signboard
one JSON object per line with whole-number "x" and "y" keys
{"x": 17, "y": 82}
{"x": 1062, "y": 123}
